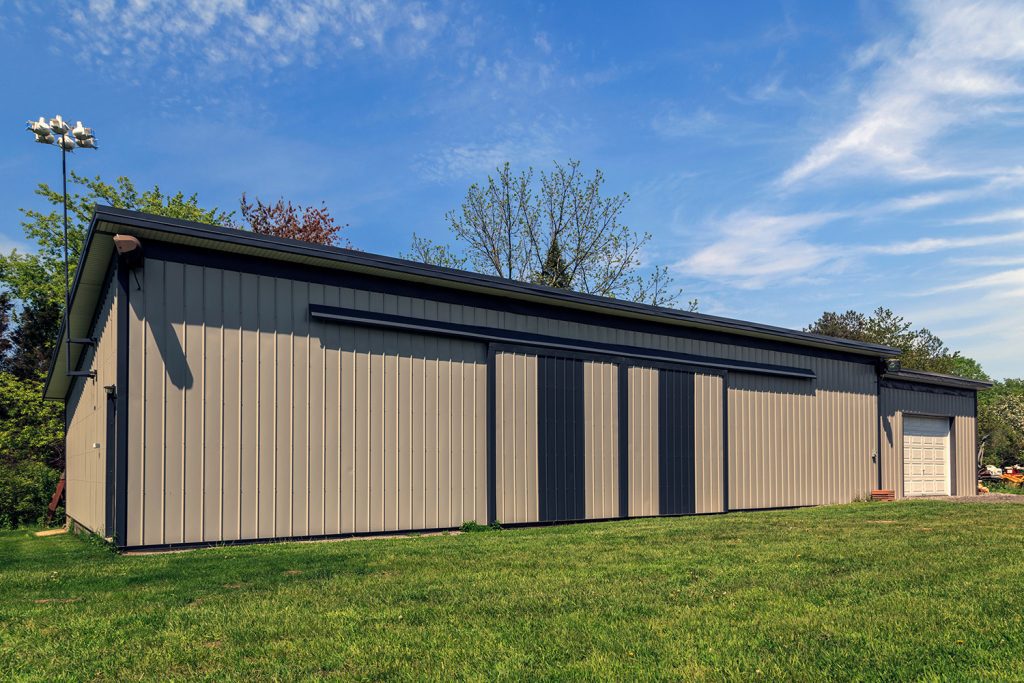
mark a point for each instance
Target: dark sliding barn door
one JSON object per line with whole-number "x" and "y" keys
{"x": 675, "y": 442}
{"x": 560, "y": 439}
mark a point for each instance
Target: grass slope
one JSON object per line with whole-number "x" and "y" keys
{"x": 862, "y": 591}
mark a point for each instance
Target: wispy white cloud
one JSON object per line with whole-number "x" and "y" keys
{"x": 1005, "y": 216}
{"x": 535, "y": 145}
{"x": 542, "y": 42}
{"x": 1003, "y": 181}
{"x": 928, "y": 245}
{"x": 988, "y": 261}
{"x": 962, "y": 60}
{"x": 753, "y": 249}
{"x": 223, "y": 37}
{"x": 673, "y": 124}
{"x": 1004, "y": 284}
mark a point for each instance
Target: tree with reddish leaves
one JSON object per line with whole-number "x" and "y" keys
{"x": 284, "y": 219}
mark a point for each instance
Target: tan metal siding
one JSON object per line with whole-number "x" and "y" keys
{"x": 86, "y": 438}
{"x": 707, "y": 440}
{"x": 896, "y": 402}
{"x": 258, "y": 464}
{"x": 516, "y": 483}
{"x": 251, "y": 422}
{"x": 601, "y": 417}
{"x": 801, "y": 442}
{"x": 643, "y": 442}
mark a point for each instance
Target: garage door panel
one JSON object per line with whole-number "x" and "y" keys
{"x": 926, "y": 456}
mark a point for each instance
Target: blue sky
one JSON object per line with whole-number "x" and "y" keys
{"x": 788, "y": 158}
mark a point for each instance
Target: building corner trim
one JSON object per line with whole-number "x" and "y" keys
{"x": 121, "y": 447}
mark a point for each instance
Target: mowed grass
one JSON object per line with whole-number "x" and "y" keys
{"x": 864, "y": 591}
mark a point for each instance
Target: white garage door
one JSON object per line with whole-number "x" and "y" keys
{"x": 925, "y": 456}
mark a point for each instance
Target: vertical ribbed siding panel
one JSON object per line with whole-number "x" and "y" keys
{"x": 153, "y": 380}
{"x": 212, "y": 326}
{"x": 517, "y": 489}
{"x": 801, "y": 442}
{"x": 193, "y": 452}
{"x": 299, "y": 406}
{"x": 251, "y": 422}
{"x": 643, "y": 442}
{"x": 316, "y": 426}
{"x": 137, "y": 407}
{"x": 234, "y": 397}
{"x": 676, "y": 442}
{"x": 963, "y": 447}
{"x": 177, "y": 378}
{"x": 561, "y": 437}
{"x": 406, "y": 392}
{"x": 266, "y": 413}
{"x": 249, "y": 419}
{"x": 281, "y": 406}
{"x": 708, "y": 453}
{"x": 601, "y": 409}
{"x": 86, "y": 463}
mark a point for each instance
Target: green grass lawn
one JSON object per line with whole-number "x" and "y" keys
{"x": 865, "y": 591}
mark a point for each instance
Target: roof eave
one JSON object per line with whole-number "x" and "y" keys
{"x": 451, "y": 277}
{"x": 937, "y": 379}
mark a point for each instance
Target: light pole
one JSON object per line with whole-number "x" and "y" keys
{"x": 58, "y": 132}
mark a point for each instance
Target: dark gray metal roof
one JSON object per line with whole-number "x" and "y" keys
{"x": 921, "y": 377}
{"x": 89, "y": 282}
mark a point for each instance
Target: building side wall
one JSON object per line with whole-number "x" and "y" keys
{"x": 708, "y": 443}
{"x": 643, "y": 442}
{"x": 601, "y": 415}
{"x": 246, "y": 420}
{"x": 86, "y": 439}
{"x": 963, "y": 447}
{"x": 798, "y": 442}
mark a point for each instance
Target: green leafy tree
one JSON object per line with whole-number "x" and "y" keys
{"x": 509, "y": 225}
{"x": 31, "y": 306}
{"x": 425, "y": 250}
{"x": 39, "y": 276}
{"x": 1001, "y": 423}
{"x": 920, "y": 348}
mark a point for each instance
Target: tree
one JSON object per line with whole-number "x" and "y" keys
{"x": 555, "y": 271}
{"x": 283, "y": 219}
{"x": 39, "y": 276}
{"x": 31, "y": 306}
{"x": 920, "y": 349}
{"x": 1001, "y": 423}
{"x": 519, "y": 227}
{"x": 426, "y": 251}
{"x": 848, "y": 325}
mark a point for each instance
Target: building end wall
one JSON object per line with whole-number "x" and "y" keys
{"x": 86, "y": 460}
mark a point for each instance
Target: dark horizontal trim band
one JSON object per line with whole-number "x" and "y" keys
{"x": 607, "y": 357}
{"x": 497, "y": 336}
{"x": 926, "y": 388}
{"x": 934, "y": 379}
{"x": 936, "y": 416}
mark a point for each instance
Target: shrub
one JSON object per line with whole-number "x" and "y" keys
{"x": 475, "y": 526}
{"x": 25, "y": 492}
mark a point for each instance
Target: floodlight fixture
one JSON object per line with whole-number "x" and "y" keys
{"x": 58, "y": 132}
